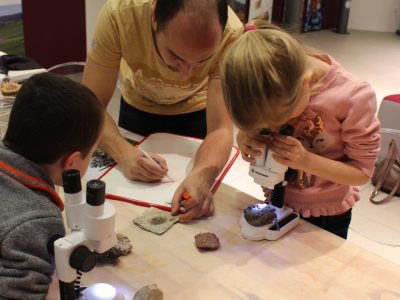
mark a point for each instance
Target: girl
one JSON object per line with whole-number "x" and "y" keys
{"x": 269, "y": 79}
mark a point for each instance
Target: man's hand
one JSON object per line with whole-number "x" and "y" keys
{"x": 135, "y": 166}
{"x": 199, "y": 199}
{"x": 248, "y": 144}
{"x": 209, "y": 161}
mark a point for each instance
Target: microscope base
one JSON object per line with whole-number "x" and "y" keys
{"x": 287, "y": 220}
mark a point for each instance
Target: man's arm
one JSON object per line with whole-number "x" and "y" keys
{"x": 102, "y": 81}
{"x": 216, "y": 147}
{"x": 210, "y": 158}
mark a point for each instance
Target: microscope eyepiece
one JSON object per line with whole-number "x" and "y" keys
{"x": 71, "y": 181}
{"x": 286, "y": 129}
{"x": 265, "y": 132}
{"x": 95, "y": 192}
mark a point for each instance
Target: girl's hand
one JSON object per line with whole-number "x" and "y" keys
{"x": 290, "y": 152}
{"x": 248, "y": 144}
{"x": 267, "y": 192}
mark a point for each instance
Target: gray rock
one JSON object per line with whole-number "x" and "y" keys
{"x": 122, "y": 248}
{"x": 259, "y": 214}
{"x": 149, "y": 292}
{"x": 156, "y": 220}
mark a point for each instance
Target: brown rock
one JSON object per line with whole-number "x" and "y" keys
{"x": 207, "y": 241}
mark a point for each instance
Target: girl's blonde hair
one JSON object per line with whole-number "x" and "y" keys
{"x": 262, "y": 76}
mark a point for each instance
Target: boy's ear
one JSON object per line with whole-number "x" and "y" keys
{"x": 70, "y": 159}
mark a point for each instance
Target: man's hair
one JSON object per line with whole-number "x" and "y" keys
{"x": 53, "y": 115}
{"x": 166, "y": 10}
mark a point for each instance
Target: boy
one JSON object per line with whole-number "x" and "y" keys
{"x": 54, "y": 125}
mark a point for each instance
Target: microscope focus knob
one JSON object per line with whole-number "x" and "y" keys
{"x": 82, "y": 259}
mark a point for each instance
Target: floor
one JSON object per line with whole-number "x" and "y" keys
{"x": 375, "y": 57}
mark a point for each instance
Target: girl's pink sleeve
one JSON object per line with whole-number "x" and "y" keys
{"x": 360, "y": 129}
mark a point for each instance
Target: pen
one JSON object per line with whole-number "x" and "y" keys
{"x": 145, "y": 154}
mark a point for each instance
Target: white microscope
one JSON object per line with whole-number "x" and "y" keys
{"x": 92, "y": 222}
{"x": 269, "y": 220}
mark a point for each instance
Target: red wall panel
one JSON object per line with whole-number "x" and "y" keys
{"x": 54, "y": 31}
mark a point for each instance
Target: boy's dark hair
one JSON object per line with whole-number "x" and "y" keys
{"x": 53, "y": 115}
{"x": 166, "y": 10}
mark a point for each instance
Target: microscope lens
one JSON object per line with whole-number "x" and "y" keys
{"x": 95, "y": 192}
{"x": 265, "y": 132}
{"x": 71, "y": 181}
{"x": 287, "y": 129}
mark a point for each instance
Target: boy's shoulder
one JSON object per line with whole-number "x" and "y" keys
{"x": 29, "y": 222}
{"x": 23, "y": 186}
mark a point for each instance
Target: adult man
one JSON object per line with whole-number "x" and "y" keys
{"x": 168, "y": 52}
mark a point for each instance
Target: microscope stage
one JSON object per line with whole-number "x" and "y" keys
{"x": 285, "y": 220}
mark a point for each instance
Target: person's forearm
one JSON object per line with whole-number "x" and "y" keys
{"x": 213, "y": 154}
{"x": 335, "y": 171}
{"x": 216, "y": 147}
{"x": 112, "y": 142}
{"x": 102, "y": 81}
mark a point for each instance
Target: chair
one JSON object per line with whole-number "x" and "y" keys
{"x": 388, "y": 115}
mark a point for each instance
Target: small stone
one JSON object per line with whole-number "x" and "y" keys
{"x": 259, "y": 214}
{"x": 149, "y": 292}
{"x": 207, "y": 241}
{"x": 156, "y": 220}
{"x": 122, "y": 248}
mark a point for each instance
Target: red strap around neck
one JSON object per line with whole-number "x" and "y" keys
{"x": 31, "y": 182}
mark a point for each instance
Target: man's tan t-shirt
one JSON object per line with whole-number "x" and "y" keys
{"x": 123, "y": 36}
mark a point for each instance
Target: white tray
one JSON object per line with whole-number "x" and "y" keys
{"x": 179, "y": 152}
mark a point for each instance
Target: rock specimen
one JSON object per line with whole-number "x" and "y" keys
{"x": 148, "y": 292}
{"x": 207, "y": 241}
{"x": 259, "y": 214}
{"x": 122, "y": 248}
{"x": 156, "y": 220}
